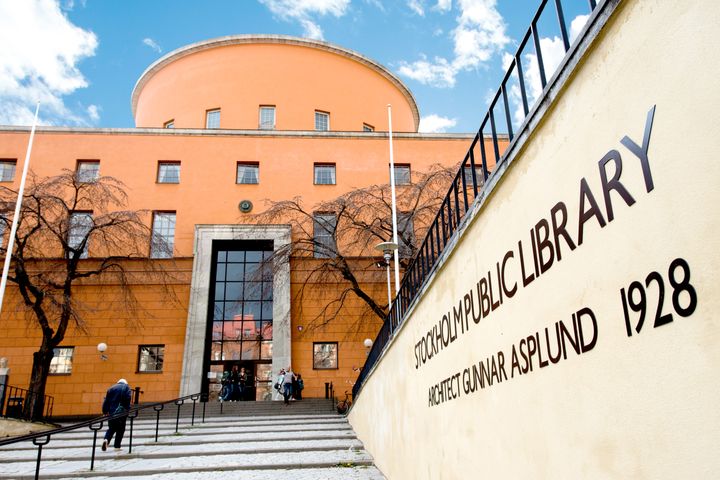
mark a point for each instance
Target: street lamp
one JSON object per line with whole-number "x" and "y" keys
{"x": 387, "y": 248}
{"x": 368, "y": 345}
{"x": 101, "y": 347}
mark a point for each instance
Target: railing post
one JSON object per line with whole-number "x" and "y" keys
{"x": 194, "y": 399}
{"x": 95, "y": 430}
{"x": 39, "y": 443}
{"x": 204, "y": 400}
{"x": 132, "y": 416}
{"x": 177, "y": 419}
{"x": 157, "y": 408}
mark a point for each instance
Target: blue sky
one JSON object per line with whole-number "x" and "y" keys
{"x": 81, "y": 58}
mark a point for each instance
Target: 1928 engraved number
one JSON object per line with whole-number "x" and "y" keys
{"x": 636, "y": 296}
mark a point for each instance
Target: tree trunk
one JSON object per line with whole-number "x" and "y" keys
{"x": 35, "y": 401}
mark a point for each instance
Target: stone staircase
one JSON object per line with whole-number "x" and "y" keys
{"x": 248, "y": 440}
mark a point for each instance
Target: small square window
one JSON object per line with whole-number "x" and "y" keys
{"x": 169, "y": 124}
{"x": 325, "y": 356}
{"x": 368, "y": 128}
{"x": 61, "y": 363}
{"x": 248, "y": 173}
{"x": 267, "y": 118}
{"x": 324, "y": 174}
{"x": 7, "y": 170}
{"x": 163, "y": 235}
{"x": 87, "y": 171}
{"x": 479, "y": 178}
{"x": 402, "y": 174}
{"x": 150, "y": 358}
{"x": 168, "y": 172}
{"x": 212, "y": 118}
{"x": 322, "y": 121}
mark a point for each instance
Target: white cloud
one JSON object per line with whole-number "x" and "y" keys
{"x": 417, "y": 7}
{"x": 38, "y": 62}
{"x": 93, "y": 112}
{"x": 302, "y": 11}
{"x": 444, "y": 5}
{"x": 576, "y": 26}
{"x": 480, "y": 33}
{"x": 435, "y": 124}
{"x": 152, "y": 44}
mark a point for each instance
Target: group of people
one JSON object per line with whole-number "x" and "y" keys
{"x": 290, "y": 385}
{"x": 234, "y": 383}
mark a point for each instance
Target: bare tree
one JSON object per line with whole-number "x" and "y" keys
{"x": 71, "y": 230}
{"x": 336, "y": 238}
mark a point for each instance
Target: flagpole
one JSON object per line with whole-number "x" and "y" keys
{"x": 393, "y": 204}
{"x": 16, "y": 217}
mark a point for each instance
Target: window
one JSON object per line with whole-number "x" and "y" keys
{"x": 169, "y": 124}
{"x": 248, "y": 173}
{"x": 212, "y": 118}
{"x": 402, "y": 174}
{"x": 267, "y": 118}
{"x": 168, "y": 172}
{"x": 150, "y": 358}
{"x": 324, "y": 225}
{"x": 61, "y": 363}
{"x": 163, "y": 235}
{"x": 324, "y": 174}
{"x": 467, "y": 172}
{"x": 79, "y": 227}
{"x": 322, "y": 121}
{"x": 325, "y": 356}
{"x": 87, "y": 171}
{"x": 406, "y": 234}
{"x": 368, "y": 128}
{"x": 7, "y": 170}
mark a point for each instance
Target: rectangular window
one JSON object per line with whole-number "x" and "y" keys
{"x": 7, "y": 170}
{"x": 248, "y": 173}
{"x": 467, "y": 172}
{"x": 169, "y": 124}
{"x": 322, "y": 121}
{"x": 368, "y": 128}
{"x": 168, "y": 172}
{"x": 267, "y": 117}
{"x": 87, "y": 171}
{"x": 61, "y": 363}
{"x": 150, "y": 358}
{"x": 212, "y": 118}
{"x": 402, "y": 174}
{"x": 325, "y": 356}
{"x": 324, "y": 174}
{"x": 163, "y": 235}
{"x": 324, "y": 225}
{"x": 80, "y": 224}
{"x": 406, "y": 234}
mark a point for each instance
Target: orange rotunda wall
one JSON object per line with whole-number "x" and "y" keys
{"x": 239, "y": 74}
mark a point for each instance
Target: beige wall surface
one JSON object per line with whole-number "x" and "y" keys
{"x": 639, "y": 406}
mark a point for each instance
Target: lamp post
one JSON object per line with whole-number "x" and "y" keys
{"x": 387, "y": 248}
{"x": 101, "y": 347}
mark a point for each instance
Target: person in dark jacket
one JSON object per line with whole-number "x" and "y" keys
{"x": 117, "y": 400}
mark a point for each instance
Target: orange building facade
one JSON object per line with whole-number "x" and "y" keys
{"x": 222, "y": 126}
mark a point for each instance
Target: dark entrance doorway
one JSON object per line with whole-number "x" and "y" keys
{"x": 240, "y": 322}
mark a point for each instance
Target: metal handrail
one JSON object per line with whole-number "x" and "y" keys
{"x": 19, "y": 396}
{"x": 467, "y": 183}
{"x": 96, "y": 424}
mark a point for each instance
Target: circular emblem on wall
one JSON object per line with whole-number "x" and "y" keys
{"x": 245, "y": 206}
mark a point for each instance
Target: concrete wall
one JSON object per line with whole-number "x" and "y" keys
{"x": 642, "y": 405}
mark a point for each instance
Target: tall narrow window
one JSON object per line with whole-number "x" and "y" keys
{"x": 150, "y": 358}
{"x": 79, "y": 227}
{"x": 87, "y": 171}
{"x": 248, "y": 173}
{"x": 168, "y": 172}
{"x": 61, "y": 363}
{"x": 212, "y": 118}
{"x": 368, "y": 128}
{"x": 267, "y": 117}
{"x": 406, "y": 234}
{"x": 163, "y": 235}
{"x": 7, "y": 170}
{"x": 324, "y": 174}
{"x": 402, "y": 174}
{"x": 169, "y": 124}
{"x": 322, "y": 121}
{"x": 324, "y": 225}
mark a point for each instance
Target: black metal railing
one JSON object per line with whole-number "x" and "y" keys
{"x": 474, "y": 170}
{"x": 13, "y": 401}
{"x": 96, "y": 424}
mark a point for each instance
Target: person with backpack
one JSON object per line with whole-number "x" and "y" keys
{"x": 117, "y": 400}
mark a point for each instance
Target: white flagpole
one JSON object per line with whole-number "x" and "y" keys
{"x": 16, "y": 218}
{"x": 394, "y": 206}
